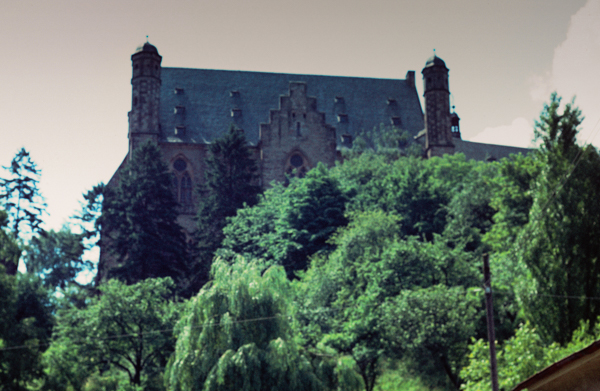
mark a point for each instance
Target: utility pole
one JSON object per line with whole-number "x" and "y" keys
{"x": 489, "y": 306}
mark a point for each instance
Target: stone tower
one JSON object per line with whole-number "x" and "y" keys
{"x": 145, "y": 97}
{"x": 437, "y": 108}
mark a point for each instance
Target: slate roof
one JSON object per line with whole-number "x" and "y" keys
{"x": 482, "y": 151}
{"x": 206, "y": 102}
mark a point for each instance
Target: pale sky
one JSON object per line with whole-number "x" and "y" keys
{"x": 65, "y": 72}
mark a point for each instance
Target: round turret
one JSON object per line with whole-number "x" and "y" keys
{"x": 435, "y": 74}
{"x": 145, "y": 95}
{"x": 437, "y": 107}
{"x": 146, "y": 47}
{"x": 435, "y": 61}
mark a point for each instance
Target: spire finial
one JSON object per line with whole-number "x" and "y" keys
{"x": 433, "y": 49}
{"x": 149, "y": 42}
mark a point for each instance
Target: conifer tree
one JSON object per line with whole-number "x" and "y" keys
{"x": 139, "y": 227}
{"x": 21, "y": 195}
{"x": 560, "y": 244}
{"x": 230, "y": 183}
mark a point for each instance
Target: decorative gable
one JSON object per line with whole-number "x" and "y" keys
{"x": 296, "y": 128}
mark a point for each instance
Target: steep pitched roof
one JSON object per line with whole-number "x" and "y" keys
{"x": 579, "y": 371}
{"x": 206, "y": 102}
{"x": 481, "y": 151}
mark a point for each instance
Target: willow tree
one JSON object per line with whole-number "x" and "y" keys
{"x": 237, "y": 334}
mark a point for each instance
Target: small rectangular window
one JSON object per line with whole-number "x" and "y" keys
{"x": 342, "y": 118}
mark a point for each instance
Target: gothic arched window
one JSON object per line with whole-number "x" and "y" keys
{"x": 182, "y": 182}
{"x": 297, "y": 165}
{"x": 186, "y": 189}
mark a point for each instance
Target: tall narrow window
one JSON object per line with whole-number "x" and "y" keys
{"x": 186, "y": 189}
{"x": 175, "y": 185}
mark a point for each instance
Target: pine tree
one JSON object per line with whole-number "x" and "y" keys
{"x": 139, "y": 227}
{"x": 21, "y": 195}
{"x": 230, "y": 183}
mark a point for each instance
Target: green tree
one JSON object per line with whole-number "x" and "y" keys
{"x": 230, "y": 183}
{"x": 57, "y": 257}
{"x": 21, "y": 198}
{"x": 88, "y": 220}
{"x": 21, "y": 195}
{"x": 139, "y": 222}
{"x": 520, "y": 357}
{"x": 415, "y": 189}
{"x": 127, "y": 329}
{"x": 25, "y": 328}
{"x": 290, "y": 223}
{"x": 10, "y": 251}
{"x": 430, "y": 326}
{"x": 354, "y": 298}
{"x": 236, "y": 334}
{"x": 560, "y": 244}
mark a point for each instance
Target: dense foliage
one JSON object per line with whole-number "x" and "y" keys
{"x": 127, "y": 329}
{"x": 230, "y": 183}
{"x": 238, "y": 334}
{"x": 139, "y": 222}
{"x": 363, "y": 276}
{"x": 290, "y": 223}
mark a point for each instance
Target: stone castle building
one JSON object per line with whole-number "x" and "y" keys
{"x": 291, "y": 121}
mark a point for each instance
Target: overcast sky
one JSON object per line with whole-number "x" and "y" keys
{"x": 65, "y": 72}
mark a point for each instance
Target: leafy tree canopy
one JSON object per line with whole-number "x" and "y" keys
{"x": 291, "y": 223}
{"x": 364, "y": 280}
{"x": 57, "y": 257}
{"x": 417, "y": 190}
{"x": 126, "y": 329}
{"x": 520, "y": 357}
{"x": 236, "y": 334}
{"x": 25, "y": 329}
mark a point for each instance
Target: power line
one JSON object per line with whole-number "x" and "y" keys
{"x": 152, "y": 332}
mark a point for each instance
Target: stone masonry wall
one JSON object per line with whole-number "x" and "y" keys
{"x": 295, "y": 129}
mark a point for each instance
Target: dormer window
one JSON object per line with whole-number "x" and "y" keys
{"x": 178, "y": 91}
{"x": 342, "y": 118}
{"x": 396, "y": 121}
{"x": 347, "y": 140}
{"x": 180, "y": 130}
{"x": 179, "y": 110}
